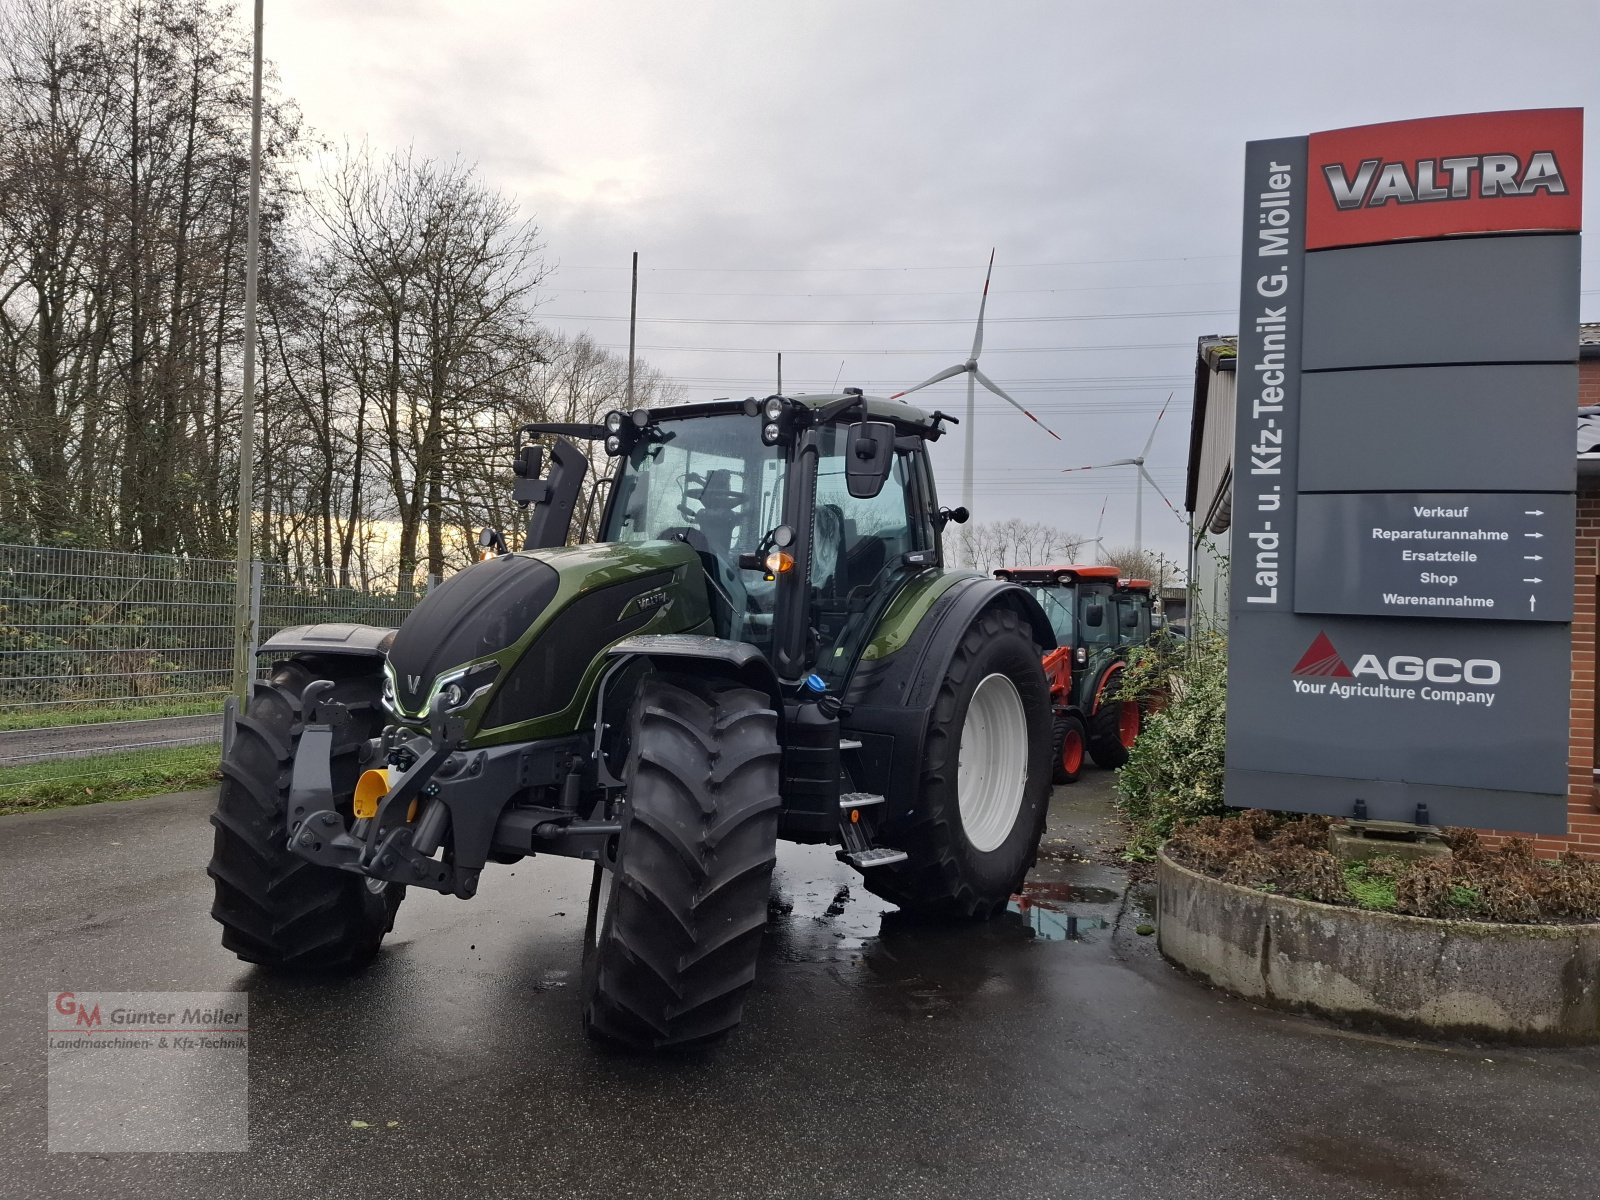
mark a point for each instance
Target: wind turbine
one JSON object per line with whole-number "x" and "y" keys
{"x": 1098, "y": 542}
{"x": 1141, "y": 477}
{"x": 970, "y": 369}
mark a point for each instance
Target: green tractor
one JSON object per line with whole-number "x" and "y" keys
{"x": 765, "y": 643}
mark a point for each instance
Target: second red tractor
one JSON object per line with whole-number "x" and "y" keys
{"x": 1097, "y": 617}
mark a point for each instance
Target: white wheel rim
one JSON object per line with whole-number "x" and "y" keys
{"x": 602, "y": 902}
{"x": 993, "y": 770}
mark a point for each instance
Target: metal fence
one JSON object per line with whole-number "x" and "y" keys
{"x": 111, "y": 662}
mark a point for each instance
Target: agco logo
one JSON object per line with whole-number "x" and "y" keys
{"x": 1322, "y": 671}
{"x": 1462, "y": 177}
{"x": 66, "y": 1003}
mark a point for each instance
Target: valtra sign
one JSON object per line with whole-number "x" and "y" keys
{"x": 1444, "y": 176}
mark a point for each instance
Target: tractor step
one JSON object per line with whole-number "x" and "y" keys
{"x": 849, "y": 800}
{"x": 879, "y": 856}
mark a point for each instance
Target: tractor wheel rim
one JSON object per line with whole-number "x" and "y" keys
{"x": 1072, "y": 752}
{"x": 1128, "y": 724}
{"x": 993, "y": 763}
{"x": 602, "y": 903}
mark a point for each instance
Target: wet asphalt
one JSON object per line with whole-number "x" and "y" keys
{"x": 1050, "y": 1053}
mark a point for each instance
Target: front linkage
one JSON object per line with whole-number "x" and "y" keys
{"x": 434, "y": 789}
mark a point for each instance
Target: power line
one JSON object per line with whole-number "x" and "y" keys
{"x": 968, "y": 292}
{"x": 914, "y": 353}
{"x": 1150, "y": 382}
{"x": 1082, "y": 262}
{"x": 1210, "y": 312}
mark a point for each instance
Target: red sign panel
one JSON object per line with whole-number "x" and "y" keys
{"x": 1480, "y": 173}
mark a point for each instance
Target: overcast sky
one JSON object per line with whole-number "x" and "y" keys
{"x": 792, "y": 173}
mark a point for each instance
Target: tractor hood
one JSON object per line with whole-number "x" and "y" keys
{"x": 528, "y": 630}
{"x": 473, "y": 614}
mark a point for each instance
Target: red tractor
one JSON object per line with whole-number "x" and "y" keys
{"x": 1096, "y": 616}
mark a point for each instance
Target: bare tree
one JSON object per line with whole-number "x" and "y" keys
{"x": 986, "y": 545}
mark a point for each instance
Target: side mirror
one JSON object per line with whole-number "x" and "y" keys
{"x": 493, "y": 543}
{"x": 869, "y": 456}
{"x": 1130, "y": 618}
{"x": 959, "y": 515}
{"x": 552, "y": 496}
{"x": 1094, "y": 616}
{"x": 529, "y": 462}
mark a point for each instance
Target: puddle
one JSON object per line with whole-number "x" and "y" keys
{"x": 1052, "y": 893}
{"x": 1051, "y": 925}
{"x": 1042, "y": 906}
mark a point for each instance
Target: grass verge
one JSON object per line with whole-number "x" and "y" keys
{"x": 123, "y": 710}
{"x": 126, "y": 775}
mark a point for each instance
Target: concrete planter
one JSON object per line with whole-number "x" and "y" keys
{"x": 1537, "y": 983}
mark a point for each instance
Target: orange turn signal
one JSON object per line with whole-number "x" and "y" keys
{"x": 779, "y": 561}
{"x": 372, "y": 787}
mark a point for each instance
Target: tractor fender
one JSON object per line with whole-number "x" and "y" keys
{"x": 335, "y": 638}
{"x": 894, "y": 696}
{"x": 719, "y": 656}
{"x": 1108, "y": 679}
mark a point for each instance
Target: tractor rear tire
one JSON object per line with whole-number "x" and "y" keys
{"x": 1113, "y": 729}
{"x": 968, "y": 859}
{"x": 276, "y": 909}
{"x": 1068, "y": 747}
{"x": 679, "y": 903}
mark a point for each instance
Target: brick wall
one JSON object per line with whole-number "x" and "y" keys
{"x": 1583, "y": 800}
{"x": 1589, "y": 382}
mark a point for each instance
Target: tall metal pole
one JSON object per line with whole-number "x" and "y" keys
{"x": 780, "y": 372}
{"x": 633, "y": 315}
{"x": 244, "y": 626}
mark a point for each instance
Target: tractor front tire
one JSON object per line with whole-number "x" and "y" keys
{"x": 276, "y": 909}
{"x": 1068, "y": 747}
{"x": 679, "y": 902}
{"x": 974, "y": 834}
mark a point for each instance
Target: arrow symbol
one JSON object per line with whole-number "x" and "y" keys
{"x": 1533, "y": 512}
{"x": 1533, "y": 535}
{"x": 1536, "y": 580}
{"x": 1530, "y": 603}
{"x": 1533, "y": 558}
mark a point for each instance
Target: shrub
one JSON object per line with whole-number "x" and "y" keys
{"x": 1289, "y": 856}
{"x": 1174, "y": 771}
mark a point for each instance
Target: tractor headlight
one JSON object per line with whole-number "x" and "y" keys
{"x": 613, "y": 445}
{"x": 772, "y": 410}
{"x": 770, "y": 434}
{"x": 614, "y": 420}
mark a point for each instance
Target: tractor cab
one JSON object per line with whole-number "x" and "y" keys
{"x": 806, "y": 515}
{"x": 1133, "y": 603}
{"x": 1096, "y": 616}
